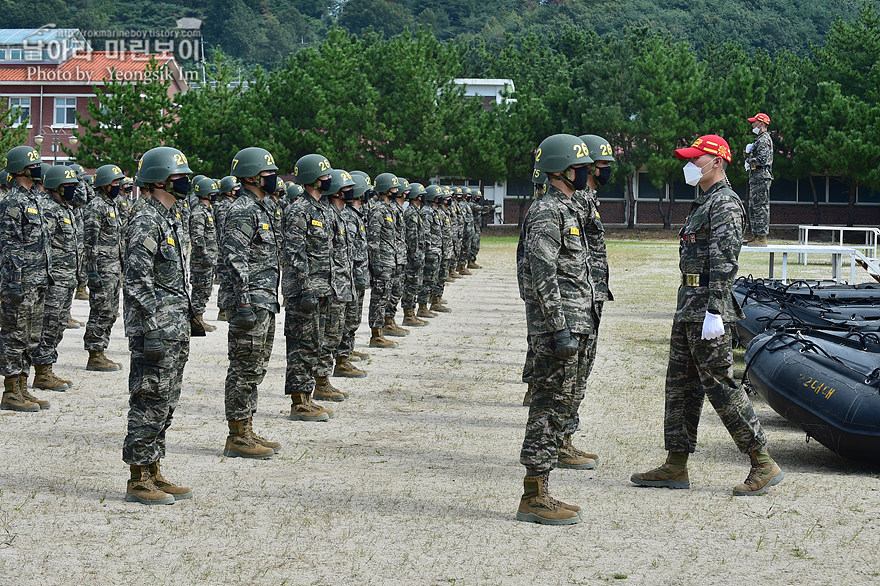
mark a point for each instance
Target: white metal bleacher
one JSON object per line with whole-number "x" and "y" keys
{"x": 837, "y": 235}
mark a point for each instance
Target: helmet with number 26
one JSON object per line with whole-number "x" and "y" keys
{"x": 600, "y": 149}
{"x": 557, "y": 153}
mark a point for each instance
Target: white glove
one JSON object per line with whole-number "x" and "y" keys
{"x": 713, "y": 326}
{"x": 750, "y": 147}
{"x": 748, "y": 166}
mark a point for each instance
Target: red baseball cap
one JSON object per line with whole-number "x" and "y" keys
{"x": 760, "y": 117}
{"x": 710, "y": 144}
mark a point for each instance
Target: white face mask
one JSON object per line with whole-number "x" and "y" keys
{"x": 693, "y": 174}
{"x": 756, "y": 130}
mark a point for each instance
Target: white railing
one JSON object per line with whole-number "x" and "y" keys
{"x": 837, "y": 234}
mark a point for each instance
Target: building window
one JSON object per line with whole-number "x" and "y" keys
{"x": 65, "y": 111}
{"x": 17, "y": 54}
{"x": 23, "y": 106}
{"x": 2, "y": 54}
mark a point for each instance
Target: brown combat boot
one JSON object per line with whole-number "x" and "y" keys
{"x": 473, "y": 265}
{"x": 178, "y": 492}
{"x": 537, "y": 506}
{"x": 240, "y": 442}
{"x": 12, "y": 397}
{"x": 44, "y": 378}
{"x": 453, "y": 274}
{"x": 672, "y": 474}
{"x": 81, "y": 293}
{"x": 462, "y": 270}
{"x": 763, "y": 474}
{"x": 759, "y": 241}
{"x": 425, "y": 312}
{"x": 22, "y": 387}
{"x": 570, "y": 457}
{"x": 326, "y": 391}
{"x": 346, "y": 369}
{"x": 390, "y": 328}
{"x": 302, "y": 409}
{"x": 276, "y": 446}
{"x": 527, "y": 398}
{"x": 208, "y": 327}
{"x": 378, "y": 339}
{"x": 437, "y": 305}
{"x": 72, "y": 324}
{"x": 142, "y": 489}
{"x": 99, "y": 362}
{"x": 358, "y": 356}
{"x": 221, "y": 315}
{"x": 410, "y": 319}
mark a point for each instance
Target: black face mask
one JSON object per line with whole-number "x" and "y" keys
{"x": 348, "y": 194}
{"x": 180, "y": 187}
{"x": 127, "y": 191}
{"x": 36, "y": 173}
{"x": 269, "y": 183}
{"x": 581, "y": 174}
{"x": 324, "y": 184}
{"x": 68, "y": 192}
{"x": 604, "y": 175}
{"x": 113, "y": 191}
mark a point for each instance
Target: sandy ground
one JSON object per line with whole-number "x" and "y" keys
{"x": 416, "y": 481}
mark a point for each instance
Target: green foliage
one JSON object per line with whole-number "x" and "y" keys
{"x": 11, "y": 136}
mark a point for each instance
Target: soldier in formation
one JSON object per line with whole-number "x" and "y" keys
{"x": 759, "y": 164}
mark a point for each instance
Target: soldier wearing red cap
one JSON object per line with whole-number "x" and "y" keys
{"x": 700, "y": 346}
{"x": 759, "y": 164}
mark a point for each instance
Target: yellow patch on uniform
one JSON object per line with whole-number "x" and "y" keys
{"x": 597, "y": 215}
{"x": 32, "y": 211}
{"x": 390, "y": 219}
{"x": 211, "y": 220}
{"x": 265, "y": 226}
{"x": 178, "y": 215}
{"x": 575, "y": 231}
{"x": 447, "y": 220}
{"x": 317, "y": 223}
{"x": 112, "y": 215}
{"x": 362, "y": 229}
{"x": 66, "y": 221}
{"x": 170, "y": 241}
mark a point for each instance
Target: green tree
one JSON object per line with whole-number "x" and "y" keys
{"x": 125, "y": 120}
{"x": 12, "y": 135}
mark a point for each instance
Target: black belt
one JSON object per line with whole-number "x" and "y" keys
{"x": 694, "y": 280}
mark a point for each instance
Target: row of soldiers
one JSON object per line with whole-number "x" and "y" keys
{"x": 323, "y": 240}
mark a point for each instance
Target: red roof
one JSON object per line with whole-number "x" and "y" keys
{"x": 94, "y": 67}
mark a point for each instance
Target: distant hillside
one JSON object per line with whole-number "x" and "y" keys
{"x": 266, "y": 32}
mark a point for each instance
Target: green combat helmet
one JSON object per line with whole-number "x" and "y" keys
{"x": 539, "y": 177}
{"x": 44, "y": 168}
{"x": 5, "y": 178}
{"x": 59, "y": 175}
{"x": 228, "y": 183}
{"x": 385, "y": 182}
{"x": 20, "y": 157}
{"x": 281, "y": 186}
{"x": 250, "y": 162}
{"x": 557, "y": 153}
{"x": 106, "y": 174}
{"x": 415, "y": 190}
{"x": 79, "y": 170}
{"x": 197, "y": 178}
{"x": 339, "y": 180}
{"x": 309, "y": 167}
{"x": 294, "y": 191}
{"x": 404, "y": 186}
{"x": 160, "y": 163}
{"x": 361, "y": 185}
{"x": 362, "y": 174}
{"x": 206, "y": 187}
{"x": 90, "y": 179}
{"x": 434, "y": 192}
{"x": 600, "y": 149}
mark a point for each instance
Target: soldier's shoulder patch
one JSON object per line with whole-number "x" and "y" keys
{"x": 112, "y": 215}
{"x": 32, "y": 211}
{"x": 246, "y": 230}
{"x": 13, "y": 212}
{"x": 300, "y": 223}
{"x": 150, "y": 244}
{"x": 317, "y": 223}
{"x": 66, "y": 221}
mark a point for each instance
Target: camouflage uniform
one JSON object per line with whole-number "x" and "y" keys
{"x": 183, "y": 211}
{"x": 397, "y": 278}
{"x": 250, "y": 250}
{"x": 467, "y": 232}
{"x": 760, "y": 161}
{"x": 342, "y": 291}
{"x": 414, "y": 228}
{"x": 308, "y": 247}
{"x": 480, "y": 211}
{"x": 709, "y": 250}
{"x": 203, "y": 255}
{"x": 26, "y": 258}
{"x": 432, "y": 220}
{"x": 84, "y": 192}
{"x": 454, "y": 213}
{"x": 155, "y": 300}
{"x": 553, "y": 272}
{"x": 221, "y": 208}
{"x": 447, "y": 232}
{"x": 354, "y": 223}
{"x": 382, "y": 246}
{"x": 64, "y": 242}
{"x": 103, "y": 260}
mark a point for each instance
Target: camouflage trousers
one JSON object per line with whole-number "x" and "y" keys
{"x": 528, "y": 371}
{"x": 103, "y": 310}
{"x": 464, "y": 254}
{"x": 153, "y": 393}
{"x": 759, "y": 206}
{"x": 21, "y": 326}
{"x": 475, "y": 244}
{"x": 249, "y": 353}
{"x": 440, "y": 284}
{"x": 430, "y": 273}
{"x": 354, "y": 312}
{"x": 396, "y": 293}
{"x": 59, "y": 298}
{"x": 334, "y": 325}
{"x": 557, "y": 392}
{"x": 700, "y": 368}
{"x": 379, "y": 295}
{"x": 412, "y": 285}
{"x": 202, "y": 284}
{"x": 304, "y": 344}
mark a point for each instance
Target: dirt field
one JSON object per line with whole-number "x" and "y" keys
{"x": 417, "y": 480}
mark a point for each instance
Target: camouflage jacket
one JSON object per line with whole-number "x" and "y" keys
{"x": 123, "y": 204}
{"x": 709, "y": 246}
{"x": 761, "y": 158}
{"x": 357, "y": 232}
{"x": 84, "y": 191}
{"x": 220, "y": 208}
{"x": 382, "y": 238}
{"x": 400, "y": 233}
{"x": 467, "y": 210}
{"x": 552, "y": 266}
{"x": 64, "y": 240}
{"x": 102, "y": 237}
{"x": 203, "y": 236}
{"x": 433, "y": 229}
{"x": 183, "y": 212}
{"x": 595, "y": 232}
{"x": 341, "y": 272}
{"x": 277, "y": 215}
{"x": 156, "y": 282}
{"x": 25, "y": 254}
{"x": 309, "y": 227}
{"x": 250, "y": 253}
{"x": 447, "y": 232}
{"x": 415, "y": 236}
